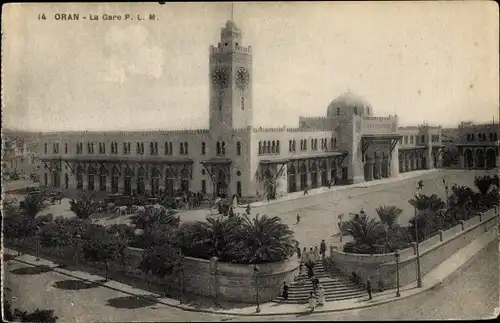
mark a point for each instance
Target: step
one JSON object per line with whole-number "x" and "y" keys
{"x": 300, "y": 289}
{"x": 305, "y": 293}
{"x": 327, "y": 298}
{"x": 326, "y": 285}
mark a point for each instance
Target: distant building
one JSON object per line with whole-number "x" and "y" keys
{"x": 233, "y": 157}
{"x": 479, "y": 145}
{"x": 18, "y": 156}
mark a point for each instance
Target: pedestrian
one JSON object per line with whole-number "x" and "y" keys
{"x": 316, "y": 254}
{"x": 298, "y": 218}
{"x": 310, "y": 271}
{"x": 321, "y": 295}
{"x": 322, "y": 248}
{"x": 303, "y": 259}
{"x": 305, "y": 191}
{"x": 285, "y": 290}
{"x": 369, "y": 288}
{"x": 315, "y": 282}
{"x": 312, "y": 301}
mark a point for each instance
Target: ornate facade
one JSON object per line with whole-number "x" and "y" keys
{"x": 233, "y": 156}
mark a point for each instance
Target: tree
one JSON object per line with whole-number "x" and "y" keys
{"x": 209, "y": 238}
{"x": 161, "y": 261}
{"x": 32, "y": 205}
{"x": 103, "y": 248}
{"x": 389, "y": 214}
{"x": 55, "y": 235}
{"x": 368, "y": 235}
{"x": 263, "y": 239}
{"x": 153, "y": 217}
{"x": 83, "y": 206}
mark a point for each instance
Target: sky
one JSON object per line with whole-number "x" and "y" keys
{"x": 436, "y": 62}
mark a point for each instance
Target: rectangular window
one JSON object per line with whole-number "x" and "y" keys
{"x": 406, "y": 140}
{"x": 65, "y": 148}
{"x": 46, "y": 145}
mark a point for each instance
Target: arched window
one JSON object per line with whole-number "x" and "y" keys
{"x": 301, "y": 144}
{"x": 356, "y": 110}
{"x": 305, "y": 144}
{"x": 166, "y": 148}
{"x": 294, "y": 144}
{"x": 278, "y": 146}
{"x": 218, "y": 149}
{"x": 170, "y": 150}
{"x": 368, "y": 111}
{"x": 238, "y": 148}
{"x": 338, "y": 111}
{"x": 223, "y": 148}
{"x": 269, "y": 146}
{"x": 335, "y": 143}
{"x": 289, "y": 145}
{"x": 260, "y": 147}
{"x": 182, "y": 148}
{"x": 186, "y": 151}
{"x": 151, "y": 148}
{"x": 203, "y": 148}
{"x": 315, "y": 144}
{"x": 273, "y": 147}
{"x": 312, "y": 144}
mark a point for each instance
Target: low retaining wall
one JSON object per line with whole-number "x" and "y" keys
{"x": 224, "y": 281}
{"x": 381, "y": 268}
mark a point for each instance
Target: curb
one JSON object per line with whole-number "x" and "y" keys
{"x": 344, "y": 187}
{"x": 191, "y": 309}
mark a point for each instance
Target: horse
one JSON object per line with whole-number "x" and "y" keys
{"x": 121, "y": 210}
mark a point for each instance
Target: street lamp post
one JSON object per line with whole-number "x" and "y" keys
{"x": 256, "y": 271}
{"x": 182, "y": 284}
{"x": 214, "y": 187}
{"x": 396, "y": 254}
{"x": 341, "y": 216}
{"x": 419, "y": 277}
{"x": 446, "y": 191}
{"x": 38, "y": 246}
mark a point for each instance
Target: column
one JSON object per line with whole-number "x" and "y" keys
{"x": 370, "y": 170}
{"x": 328, "y": 171}
{"x": 473, "y": 158}
{"x": 161, "y": 185}
{"x": 414, "y": 161}
{"x": 318, "y": 175}
{"x": 108, "y": 180}
{"x": 394, "y": 162}
{"x": 309, "y": 176}
{"x": 378, "y": 169}
{"x": 298, "y": 175}
{"x": 461, "y": 158}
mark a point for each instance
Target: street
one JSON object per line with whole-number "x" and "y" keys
{"x": 472, "y": 292}
{"x": 75, "y": 301}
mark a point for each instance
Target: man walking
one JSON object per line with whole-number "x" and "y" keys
{"x": 322, "y": 248}
{"x": 369, "y": 288}
{"x": 298, "y": 218}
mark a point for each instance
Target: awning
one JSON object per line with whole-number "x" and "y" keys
{"x": 138, "y": 159}
{"x": 382, "y": 136}
{"x": 319, "y": 155}
{"x": 219, "y": 161}
{"x": 412, "y": 147}
{"x": 275, "y": 161}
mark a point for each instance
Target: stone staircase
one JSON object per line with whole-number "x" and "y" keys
{"x": 337, "y": 286}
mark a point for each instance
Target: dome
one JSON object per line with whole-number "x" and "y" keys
{"x": 231, "y": 25}
{"x": 349, "y": 103}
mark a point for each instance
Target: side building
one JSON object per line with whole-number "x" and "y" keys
{"x": 478, "y": 145}
{"x": 233, "y": 157}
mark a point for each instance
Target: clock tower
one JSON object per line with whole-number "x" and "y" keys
{"x": 230, "y": 81}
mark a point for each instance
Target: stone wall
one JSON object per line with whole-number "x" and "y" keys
{"x": 382, "y": 267}
{"x": 225, "y": 281}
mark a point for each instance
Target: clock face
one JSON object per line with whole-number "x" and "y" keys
{"x": 220, "y": 78}
{"x": 242, "y": 78}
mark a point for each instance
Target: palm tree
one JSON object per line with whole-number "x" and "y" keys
{"x": 32, "y": 205}
{"x": 83, "y": 206}
{"x": 389, "y": 214}
{"x": 153, "y": 218}
{"x": 427, "y": 202}
{"x": 206, "y": 239}
{"x": 265, "y": 239}
{"x": 483, "y": 184}
{"x": 366, "y": 233}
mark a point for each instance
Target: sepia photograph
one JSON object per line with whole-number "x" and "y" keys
{"x": 250, "y": 161}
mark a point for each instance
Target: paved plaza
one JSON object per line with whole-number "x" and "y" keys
{"x": 319, "y": 211}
